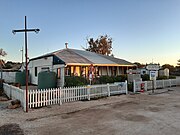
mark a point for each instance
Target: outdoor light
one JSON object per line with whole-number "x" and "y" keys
{"x": 37, "y": 31}
{"x": 13, "y": 31}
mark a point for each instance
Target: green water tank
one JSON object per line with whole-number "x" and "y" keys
{"x": 47, "y": 79}
{"x": 20, "y": 78}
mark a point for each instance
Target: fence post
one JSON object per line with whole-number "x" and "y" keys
{"x": 10, "y": 94}
{"x": 145, "y": 87}
{"x": 126, "y": 87}
{"x": 134, "y": 86}
{"x": 163, "y": 83}
{"x": 170, "y": 82}
{"x": 154, "y": 84}
{"x": 60, "y": 96}
{"x": 108, "y": 90}
{"x": 88, "y": 92}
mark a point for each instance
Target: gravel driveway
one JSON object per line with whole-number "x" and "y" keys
{"x": 141, "y": 114}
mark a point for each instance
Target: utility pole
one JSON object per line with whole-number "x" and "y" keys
{"x": 26, "y": 54}
{"x": 22, "y": 52}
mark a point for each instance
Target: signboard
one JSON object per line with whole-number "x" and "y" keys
{"x": 153, "y": 75}
{"x": 153, "y": 67}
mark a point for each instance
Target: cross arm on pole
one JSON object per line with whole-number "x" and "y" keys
{"x": 27, "y": 30}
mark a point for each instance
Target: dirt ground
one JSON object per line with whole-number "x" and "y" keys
{"x": 140, "y": 114}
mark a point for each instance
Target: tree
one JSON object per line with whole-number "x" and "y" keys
{"x": 102, "y": 45}
{"x": 2, "y": 54}
{"x": 178, "y": 62}
{"x": 170, "y": 67}
{"x": 139, "y": 65}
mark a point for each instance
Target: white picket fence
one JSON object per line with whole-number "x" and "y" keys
{"x": 44, "y": 97}
{"x": 156, "y": 84}
{"x": 15, "y": 93}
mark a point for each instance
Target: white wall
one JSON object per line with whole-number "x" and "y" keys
{"x": 39, "y": 63}
{"x": 44, "y": 63}
{"x": 164, "y": 72}
{"x": 9, "y": 77}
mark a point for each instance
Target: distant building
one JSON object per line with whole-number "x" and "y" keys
{"x": 9, "y": 74}
{"x": 150, "y": 69}
{"x": 153, "y": 67}
{"x": 164, "y": 72}
{"x": 142, "y": 71}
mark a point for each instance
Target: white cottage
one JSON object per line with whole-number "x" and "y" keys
{"x": 73, "y": 62}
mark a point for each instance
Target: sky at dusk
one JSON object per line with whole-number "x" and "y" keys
{"x": 142, "y": 30}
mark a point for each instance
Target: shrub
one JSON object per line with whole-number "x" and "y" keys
{"x": 162, "y": 77}
{"x": 145, "y": 77}
{"x": 166, "y": 77}
{"x": 120, "y": 78}
{"x": 130, "y": 86}
{"x": 80, "y": 81}
{"x": 75, "y": 81}
{"x": 172, "y": 77}
{"x": 105, "y": 79}
{"x": 110, "y": 79}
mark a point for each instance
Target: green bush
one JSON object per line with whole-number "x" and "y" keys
{"x": 162, "y": 77}
{"x": 172, "y": 77}
{"x": 166, "y": 77}
{"x": 80, "y": 81}
{"x": 130, "y": 86}
{"x": 109, "y": 79}
{"x": 145, "y": 77}
{"x": 75, "y": 81}
{"x": 120, "y": 78}
{"x": 106, "y": 79}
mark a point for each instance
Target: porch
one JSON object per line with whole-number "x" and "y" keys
{"x": 96, "y": 71}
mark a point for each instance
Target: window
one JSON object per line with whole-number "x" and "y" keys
{"x": 45, "y": 69}
{"x": 67, "y": 71}
{"x": 35, "y": 71}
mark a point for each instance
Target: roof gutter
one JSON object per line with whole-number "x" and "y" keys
{"x": 82, "y": 64}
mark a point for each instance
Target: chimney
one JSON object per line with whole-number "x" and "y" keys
{"x": 66, "y": 45}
